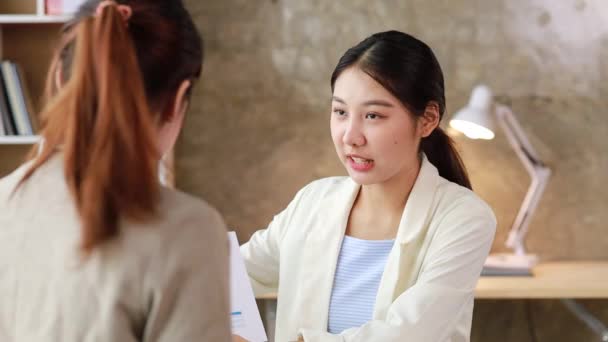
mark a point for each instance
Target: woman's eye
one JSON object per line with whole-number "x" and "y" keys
{"x": 340, "y": 112}
{"x": 372, "y": 116}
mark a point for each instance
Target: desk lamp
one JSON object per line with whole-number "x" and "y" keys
{"x": 477, "y": 121}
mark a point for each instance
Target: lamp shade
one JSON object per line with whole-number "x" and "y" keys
{"x": 476, "y": 120}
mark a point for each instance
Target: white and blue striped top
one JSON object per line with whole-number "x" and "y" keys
{"x": 358, "y": 273}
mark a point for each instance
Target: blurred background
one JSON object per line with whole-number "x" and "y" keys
{"x": 258, "y": 128}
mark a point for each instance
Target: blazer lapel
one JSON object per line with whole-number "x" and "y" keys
{"x": 413, "y": 222}
{"x": 322, "y": 248}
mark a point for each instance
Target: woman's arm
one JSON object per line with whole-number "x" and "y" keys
{"x": 262, "y": 252}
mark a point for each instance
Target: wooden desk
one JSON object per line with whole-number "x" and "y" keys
{"x": 552, "y": 280}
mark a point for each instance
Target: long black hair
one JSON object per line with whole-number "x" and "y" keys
{"x": 409, "y": 70}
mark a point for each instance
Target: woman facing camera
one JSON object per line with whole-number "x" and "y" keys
{"x": 92, "y": 248}
{"x": 393, "y": 251}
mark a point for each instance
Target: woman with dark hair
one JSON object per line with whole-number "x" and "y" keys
{"x": 392, "y": 252}
{"x": 92, "y": 248}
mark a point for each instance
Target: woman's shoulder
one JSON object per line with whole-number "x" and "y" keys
{"x": 179, "y": 209}
{"x": 186, "y": 237}
{"x": 458, "y": 199}
{"x": 319, "y": 195}
{"x": 180, "y": 203}
{"x": 328, "y": 186}
{"x": 10, "y": 181}
{"x": 182, "y": 224}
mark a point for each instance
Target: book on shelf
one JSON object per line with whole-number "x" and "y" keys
{"x": 2, "y": 131}
{"x": 62, "y": 7}
{"x": 26, "y": 98}
{"x": 6, "y": 117}
{"x": 15, "y": 105}
{"x": 2, "y": 122}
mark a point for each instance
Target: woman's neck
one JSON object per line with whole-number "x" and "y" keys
{"x": 378, "y": 208}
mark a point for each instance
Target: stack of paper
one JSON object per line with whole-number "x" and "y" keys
{"x": 246, "y": 320}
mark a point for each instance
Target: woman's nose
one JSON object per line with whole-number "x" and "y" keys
{"x": 353, "y": 136}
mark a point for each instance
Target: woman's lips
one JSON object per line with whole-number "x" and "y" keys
{"x": 360, "y": 164}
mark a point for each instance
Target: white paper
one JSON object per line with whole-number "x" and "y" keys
{"x": 246, "y": 320}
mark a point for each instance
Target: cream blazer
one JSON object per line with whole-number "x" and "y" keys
{"x": 164, "y": 281}
{"x": 427, "y": 289}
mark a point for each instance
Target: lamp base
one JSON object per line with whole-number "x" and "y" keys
{"x": 508, "y": 264}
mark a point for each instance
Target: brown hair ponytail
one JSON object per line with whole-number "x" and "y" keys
{"x": 100, "y": 118}
{"x": 441, "y": 152}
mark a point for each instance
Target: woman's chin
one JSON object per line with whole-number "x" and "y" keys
{"x": 362, "y": 179}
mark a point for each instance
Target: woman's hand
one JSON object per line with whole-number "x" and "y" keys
{"x": 237, "y": 338}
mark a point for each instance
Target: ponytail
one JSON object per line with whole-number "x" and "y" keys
{"x": 441, "y": 152}
{"x": 100, "y": 120}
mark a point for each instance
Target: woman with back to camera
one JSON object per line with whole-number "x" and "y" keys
{"x": 392, "y": 252}
{"x": 92, "y": 248}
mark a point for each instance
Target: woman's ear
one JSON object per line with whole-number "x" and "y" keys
{"x": 172, "y": 118}
{"x": 429, "y": 120}
{"x": 177, "y": 107}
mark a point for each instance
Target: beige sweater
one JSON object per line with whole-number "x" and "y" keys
{"x": 161, "y": 281}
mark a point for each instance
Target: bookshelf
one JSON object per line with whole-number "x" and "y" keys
{"x": 27, "y": 38}
{"x": 19, "y": 140}
{"x": 31, "y": 19}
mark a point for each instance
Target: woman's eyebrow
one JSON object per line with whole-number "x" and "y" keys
{"x": 337, "y": 99}
{"x": 382, "y": 103}
{"x": 378, "y": 103}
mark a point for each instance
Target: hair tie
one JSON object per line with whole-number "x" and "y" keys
{"x": 124, "y": 10}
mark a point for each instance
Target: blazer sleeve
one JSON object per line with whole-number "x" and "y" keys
{"x": 430, "y": 309}
{"x": 189, "y": 285}
{"x": 262, "y": 252}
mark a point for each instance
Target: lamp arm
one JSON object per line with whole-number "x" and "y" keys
{"x": 517, "y": 138}
{"x": 539, "y": 174}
